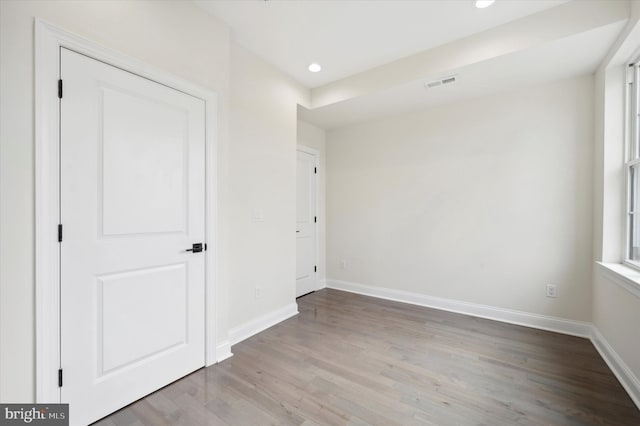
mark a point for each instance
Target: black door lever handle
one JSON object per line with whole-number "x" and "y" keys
{"x": 196, "y": 248}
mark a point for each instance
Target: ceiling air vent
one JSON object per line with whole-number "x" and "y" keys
{"x": 447, "y": 80}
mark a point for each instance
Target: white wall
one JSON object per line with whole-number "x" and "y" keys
{"x": 484, "y": 201}
{"x": 315, "y": 137}
{"x": 616, "y": 311}
{"x": 616, "y": 314}
{"x": 255, "y": 167}
{"x": 263, "y": 175}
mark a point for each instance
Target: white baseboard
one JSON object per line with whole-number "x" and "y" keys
{"x": 543, "y": 322}
{"x": 223, "y": 351}
{"x": 625, "y": 376}
{"x": 620, "y": 369}
{"x": 244, "y": 331}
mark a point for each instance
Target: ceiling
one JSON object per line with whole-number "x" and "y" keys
{"x": 348, "y": 37}
{"x": 553, "y": 61}
{"x": 377, "y": 54}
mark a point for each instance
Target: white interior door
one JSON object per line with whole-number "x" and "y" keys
{"x": 132, "y": 188}
{"x": 306, "y": 270}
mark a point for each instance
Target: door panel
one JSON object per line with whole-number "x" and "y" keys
{"x": 132, "y": 200}
{"x": 306, "y": 276}
{"x": 144, "y": 164}
{"x": 128, "y": 335}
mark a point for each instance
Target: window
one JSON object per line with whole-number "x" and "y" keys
{"x": 633, "y": 164}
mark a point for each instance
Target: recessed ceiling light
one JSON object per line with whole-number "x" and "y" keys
{"x": 481, "y": 4}
{"x": 315, "y": 67}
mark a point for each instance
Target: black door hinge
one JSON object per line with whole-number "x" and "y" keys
{"x": 60, "y": 88}
{"x": 60, "y": 233}
{"x": 60, "y": 378}
{"x": 315, "y": 269}
{"x": 315, "y": 219}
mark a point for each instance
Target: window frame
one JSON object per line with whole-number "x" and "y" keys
{"x": 632, "y": 156}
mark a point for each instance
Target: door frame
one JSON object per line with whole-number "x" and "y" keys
{"x": 316, "y": 182}
{"x": 49, "y": 39}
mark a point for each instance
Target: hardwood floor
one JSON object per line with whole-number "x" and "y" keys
{"x": 351, "y": 359}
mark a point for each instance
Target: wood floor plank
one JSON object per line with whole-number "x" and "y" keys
{"x": 348, "y": 359}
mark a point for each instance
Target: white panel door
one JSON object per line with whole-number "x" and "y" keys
{"x": 306, "y": 275}
{"x": 132, "y": 201}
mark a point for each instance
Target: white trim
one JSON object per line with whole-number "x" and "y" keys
{"x": 246, "y": 330}
{"x": 308, "y": 150}
{"x": 316, "y": 163}
{"x": 624, "y": 276}
{"x": 542, "y": 322}
{"x": 635, "y": 266}
{"x": 630, "y": 154}
{"x": 223, "y": 351}
{"x": 211, "y": 231}
{"x": 46, "y": 216}
{"x": 48, "y": 41}
{"x": 620, "y": 369}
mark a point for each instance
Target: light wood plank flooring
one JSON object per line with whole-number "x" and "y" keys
{"x": 351, "y": 359}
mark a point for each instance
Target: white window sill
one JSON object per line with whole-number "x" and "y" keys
{"x": 625, "y": 276}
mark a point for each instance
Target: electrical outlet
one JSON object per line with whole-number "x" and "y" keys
{"x": 257, "y": 214}
{"x": 258, "y": 292}
{"x": 343, "y": 264}
{"x": 551, "y": 290}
